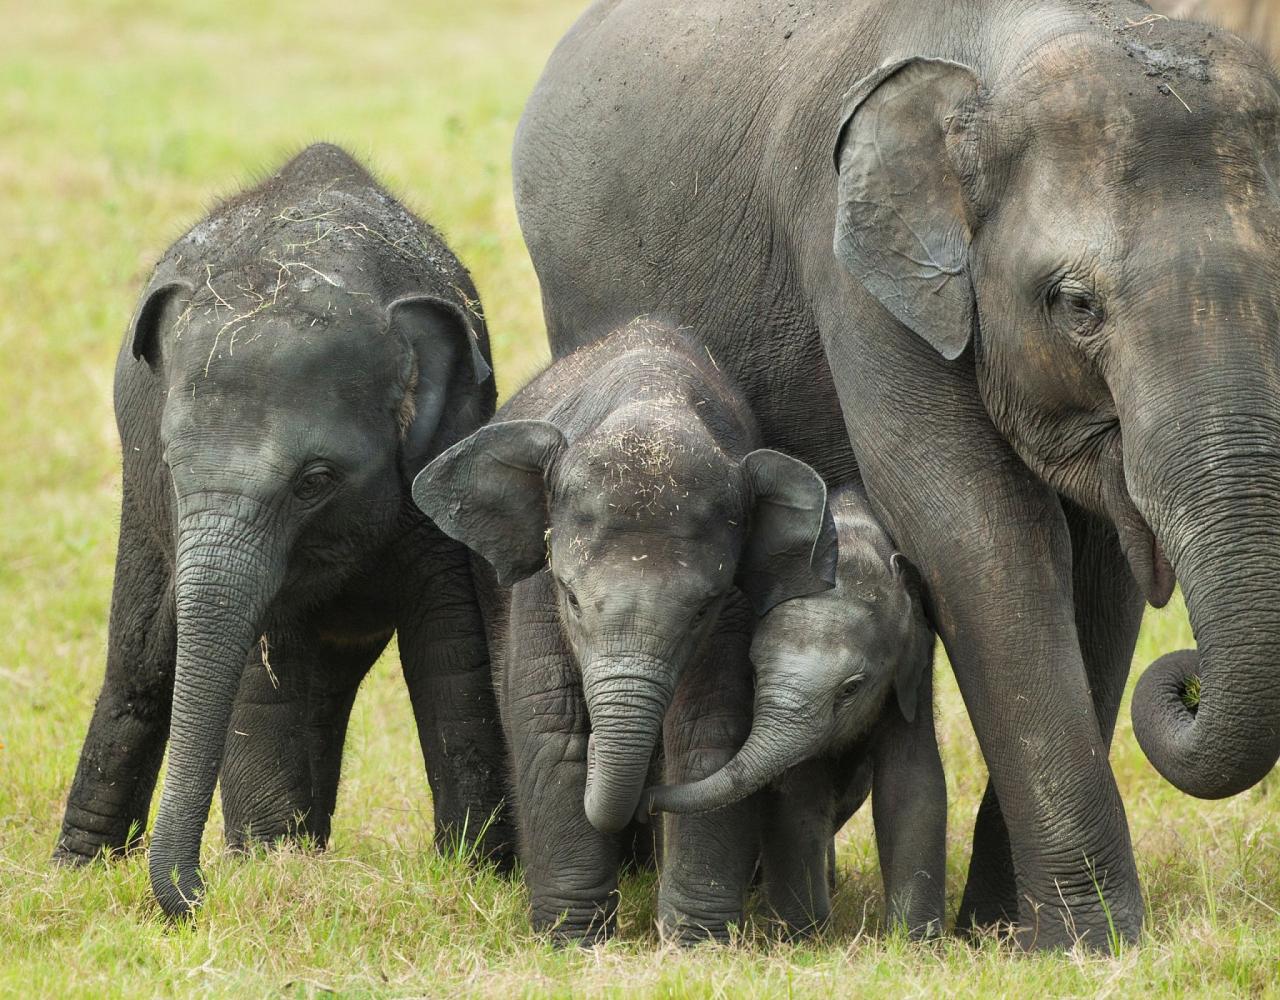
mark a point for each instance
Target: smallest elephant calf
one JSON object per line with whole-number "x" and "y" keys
{"x": 843, "y": 705}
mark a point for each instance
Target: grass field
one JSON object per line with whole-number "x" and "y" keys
{"x": 119, "y": 121}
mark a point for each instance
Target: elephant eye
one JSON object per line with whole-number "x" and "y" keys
{"x": 1078, "y": 310}
{"x": 571, "y": 599}
{"x": 314, "y": 483}
{"x": 849, "y": 687}
{"x": 700, "y": 615}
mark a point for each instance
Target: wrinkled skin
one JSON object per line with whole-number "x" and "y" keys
{"x": 621, "y": 498}
{"x": 285, "y": 375}
{"x": 842, "y": 702}
{"x": 875, "y": 182}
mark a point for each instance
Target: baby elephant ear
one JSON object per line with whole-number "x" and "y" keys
{"x": 917, "y": 652}
{"x": 489, "y": 492}
{"x": 791, "y": 547}
{"x": 449, "y": 384}
{"x": 158, "y": 308}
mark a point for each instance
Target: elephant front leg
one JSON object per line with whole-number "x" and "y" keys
{"x": 445, "y": 657}
{"x": 570, "y": 867}
{"x": 265, "y": 780}
{"x": 995, "y": 551}
{"x": 797, "y": 853}
{"x": 1108, "y": 615}
{"x": 708, "y": 858}
{"x": 111, "y": 793}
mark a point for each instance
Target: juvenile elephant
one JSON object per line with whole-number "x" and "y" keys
{"x": 622, "y": 498}
{"x": 1039, "y": 251}
{"x": 843, "y": 705}
{"x": 295, "y": 358}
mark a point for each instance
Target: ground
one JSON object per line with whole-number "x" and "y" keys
{"x": 119, "y": 122}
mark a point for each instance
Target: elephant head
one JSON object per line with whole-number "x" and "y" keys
{"x": 288, "y": 424}
{"x": 1099, "y": 222}
{"x": 826, "y": 668}
{"x": 645, "y": 525}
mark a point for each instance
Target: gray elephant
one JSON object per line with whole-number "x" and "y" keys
{"x": 621, "y": 496}
{"x": 843, "y": 704}
{"x": 295, "y": 358}
{"x": 1037, "y": 248}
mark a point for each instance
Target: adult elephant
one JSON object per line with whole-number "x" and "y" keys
{"x": 1036, "y": 246}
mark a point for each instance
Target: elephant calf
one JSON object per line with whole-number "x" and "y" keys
{"x": 621, "y": 495}
{"x": 843, "y": 705}
{"x": 296, "y": 357}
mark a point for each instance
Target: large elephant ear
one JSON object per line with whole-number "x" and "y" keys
{"x": 901, "y": 222}
{"x": 489, "y": 492}
{"x": 160, "y": 306}
{"x": 449, "y": 384}
{"x": 791, "y": 548}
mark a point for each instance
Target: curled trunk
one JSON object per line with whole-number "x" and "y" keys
{"x": 626, "y": 699}
{"x": 226, "y": 577}
{"x": 780, "y": 739}
{"x": 1209, "y": 719}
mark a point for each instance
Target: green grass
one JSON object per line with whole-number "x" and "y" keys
{"x": 118, "y": 123}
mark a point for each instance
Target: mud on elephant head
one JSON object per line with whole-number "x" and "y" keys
{"x": 1102, "y": 226}
{"x": 827, "y": 666}
{"x": 309, "y": 345}
{"x": 646, "y": 524}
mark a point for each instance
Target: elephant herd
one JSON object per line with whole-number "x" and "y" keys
{"x": 870, "y": 321}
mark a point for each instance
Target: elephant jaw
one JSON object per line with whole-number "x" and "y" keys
{"x": 1147, "y": 561}
{"x": 1142, "y": 550}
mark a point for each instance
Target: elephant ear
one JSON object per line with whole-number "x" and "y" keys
{"x": 159, "y": 308}
{"x": 901, "y": 220}
{"x": 489, "y": 492}
{"x": 917, "y": 656}
{"x": 791, "y": 546}
{"x": 448, "y": 384}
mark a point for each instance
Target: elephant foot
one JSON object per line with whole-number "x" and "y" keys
{"x": 1054, "y": 931}
{"x": 78, "y": 847}
{"x": 573, "y": 925}
{"x": 688, "y": 927}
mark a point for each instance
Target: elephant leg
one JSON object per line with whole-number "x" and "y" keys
{"x": 909, "y": 808}
{"x": 1108, "y": 612}
{"x": 796, "y": 846}
{"x": 266, "y": 775}
{"x": 708, "y": 858}
{"x": 111, "y": 793}
{"x": 993, "y": 545}
{"x": 570, "y": 867}
{"x": 343, "y": 665}
{"x": 444, "y": 653}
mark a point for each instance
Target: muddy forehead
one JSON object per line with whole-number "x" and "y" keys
{"x": 1166, "y": 83}
{"x": 657, "y": 465}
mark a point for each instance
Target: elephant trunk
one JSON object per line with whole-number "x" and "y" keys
{"x": 781, "y": 737}
{"x": 226, "y": 577}
{"x": 1209, "y": 719}
{"x": 626, "y": 699}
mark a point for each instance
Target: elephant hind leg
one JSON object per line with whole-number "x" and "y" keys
{"x": 110, "y": 795}
{"x": 267, "y": 794}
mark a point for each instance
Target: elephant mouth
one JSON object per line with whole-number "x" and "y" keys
{"x": 1150, "y": 566}
{"x": 591, "y": 761}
